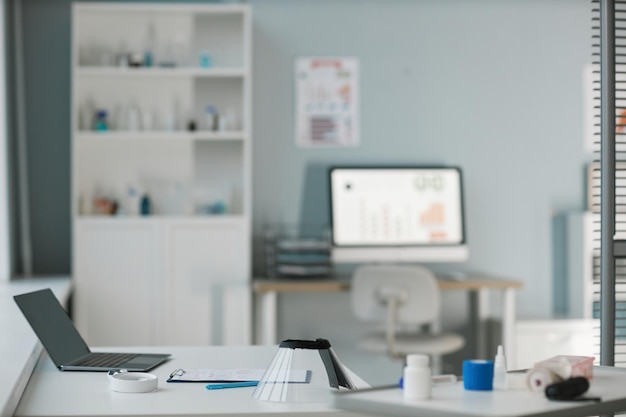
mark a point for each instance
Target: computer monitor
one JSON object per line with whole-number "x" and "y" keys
{"x": 397, "y": 214}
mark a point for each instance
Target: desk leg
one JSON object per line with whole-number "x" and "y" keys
{"x": 479, "y": 314}
{"x": 266, "y": 310}
{"x": 437, "y": 363}
{"x": 508, "y": 325}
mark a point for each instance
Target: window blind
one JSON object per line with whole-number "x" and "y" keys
{"x": 609, "y": 177}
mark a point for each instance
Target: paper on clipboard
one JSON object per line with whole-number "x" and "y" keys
{"x": 231, "y": 375}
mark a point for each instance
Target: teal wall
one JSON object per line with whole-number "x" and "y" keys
{"x": 494, "y": 86}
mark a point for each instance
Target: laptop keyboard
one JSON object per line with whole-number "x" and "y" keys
{"x": 106, "y": 360}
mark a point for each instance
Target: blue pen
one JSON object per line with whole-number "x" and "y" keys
{"x": 233, "y": 385}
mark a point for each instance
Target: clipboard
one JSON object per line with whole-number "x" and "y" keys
{"x": 232, "y": 375}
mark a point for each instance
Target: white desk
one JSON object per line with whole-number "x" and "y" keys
{"x": 479, "y": 288}
{"x": 452, "y": 400}
{"x": 51, "y": 392}
{"x": 19, "y": 347}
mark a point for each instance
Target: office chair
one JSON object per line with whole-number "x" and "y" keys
{"x": 407, "y": 299}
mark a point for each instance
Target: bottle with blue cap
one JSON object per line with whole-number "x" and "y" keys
{"x": 417, "y": 378}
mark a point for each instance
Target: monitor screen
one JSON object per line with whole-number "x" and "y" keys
{"x": 412, "y": 214}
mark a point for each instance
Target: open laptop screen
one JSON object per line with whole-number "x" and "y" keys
{"x": 52, "y": 325}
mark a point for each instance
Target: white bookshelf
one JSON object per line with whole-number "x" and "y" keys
{"x": 172, "y": 276}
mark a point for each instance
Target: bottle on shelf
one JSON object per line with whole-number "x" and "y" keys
{"x": 105, "y": 57}
{"x": 133, "y": 202}
{"x": 205, "y": 60}
{"x": 210, "y": 114}
{"x": 171, "y": 120}
{"x": 134, "y": 119}
{"x": 86, "y": 114}
{"x": 135, "y": 59}
{"x": 166, "y": 55}
{"x": 181, "y": 46}
{"x": 150, "y": 46}
{"x": 123, "y": 55}
{"x": 145, "y": 208}
{"x": 116, "y": 121}
{"x": 226, "y": 121}
{"x": 101, "y": 123}
{"x": 190, "y": 122}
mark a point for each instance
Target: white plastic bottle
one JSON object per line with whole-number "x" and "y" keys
{"x": 417, "y": 378}
{"x": 499, "y": 370}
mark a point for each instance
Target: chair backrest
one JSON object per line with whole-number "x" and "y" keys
{"x": 414, "y": 286}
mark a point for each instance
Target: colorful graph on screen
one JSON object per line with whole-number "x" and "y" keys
{"x": 396, "y": 206}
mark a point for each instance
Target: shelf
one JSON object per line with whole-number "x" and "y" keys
{"x": 199, "y": 136}
{"x": 85, "y": 71}
{"x": 198, "y": 9}
{"x": 191, "y": 219}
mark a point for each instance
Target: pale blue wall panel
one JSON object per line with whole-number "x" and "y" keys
{"x": 492, "y": 86}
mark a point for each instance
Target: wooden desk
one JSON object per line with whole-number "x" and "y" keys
{"x": 479, "y": 288}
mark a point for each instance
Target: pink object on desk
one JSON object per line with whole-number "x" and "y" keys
{"x": 569, "y": 366}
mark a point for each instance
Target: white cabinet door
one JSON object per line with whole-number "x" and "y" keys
{"x": 116, "y": 282}
{"x": 206, "y": 276}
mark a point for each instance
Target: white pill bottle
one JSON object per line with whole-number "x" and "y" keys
{"x": 417, "y": 377}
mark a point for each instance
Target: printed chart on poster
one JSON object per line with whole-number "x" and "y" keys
{"x": 327, "y": 102}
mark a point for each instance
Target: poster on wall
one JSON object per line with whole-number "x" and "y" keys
{"x": 327, "y": 102}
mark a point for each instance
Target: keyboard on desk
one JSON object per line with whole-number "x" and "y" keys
{"x": 106, "y": 360}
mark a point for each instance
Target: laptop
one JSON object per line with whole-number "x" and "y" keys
{"x": 64, "y": 344}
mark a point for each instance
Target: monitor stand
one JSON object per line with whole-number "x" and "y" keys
{"x": 427, "y": 254}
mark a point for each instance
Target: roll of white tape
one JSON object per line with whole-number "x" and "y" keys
{"x": 540, "y": 378}
{"x": 562, "y": 367}
{"x": 124, "y": 381}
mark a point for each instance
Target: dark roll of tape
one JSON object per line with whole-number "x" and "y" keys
{"x": 568, "y": 389}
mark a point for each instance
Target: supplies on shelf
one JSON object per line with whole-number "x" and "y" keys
{"x": 297, "y": 251}
{"x": 164, "y": 52}
{"x": 151, "y": 196}
{"x": 130, "y": 116}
